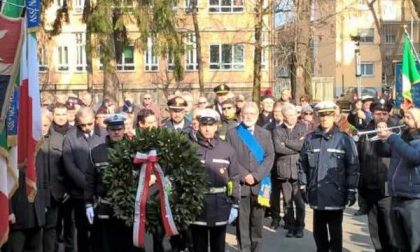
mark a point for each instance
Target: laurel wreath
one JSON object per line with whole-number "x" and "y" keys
{"x": 177, "y": 157}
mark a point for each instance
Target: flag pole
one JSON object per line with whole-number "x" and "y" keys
{"x": 411, "y": 43}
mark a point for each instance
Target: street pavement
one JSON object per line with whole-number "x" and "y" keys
{"x": 355, "y": 236}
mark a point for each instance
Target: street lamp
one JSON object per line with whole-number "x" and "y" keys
{"x": 358, "y": 65}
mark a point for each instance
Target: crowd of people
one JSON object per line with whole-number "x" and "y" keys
{"x": 307, "y": 152}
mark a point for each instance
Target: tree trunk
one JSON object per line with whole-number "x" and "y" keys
{"x": 302, "y": 50}
{"x": 416, "y": 4}
{"x": 89, "y": 45}
{"x": 256, "y": 90}
{"x": 198, "y": 46}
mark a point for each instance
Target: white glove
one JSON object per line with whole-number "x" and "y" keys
{"x": 233, "y": 215}
{"x": 90, "y": 214}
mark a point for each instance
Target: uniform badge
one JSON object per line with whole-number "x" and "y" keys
{"x": 222, "y": 170}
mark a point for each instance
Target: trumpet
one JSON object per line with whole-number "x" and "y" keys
{"x": 396, "y": 129}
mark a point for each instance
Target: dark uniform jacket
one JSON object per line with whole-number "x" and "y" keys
{"x": 76, "y": 149}
{"x": 225, "y": 126}
{"x": 287, "y": 145}
{"x": 329, "y": 167}
{"x": 247, "y": 162}
{"x": 265, "y": 119}
{"x": 221, "y": 163}
{"x": 373, "y": 167}
{"x": 185, "y": 130}
{"x": 404, "y": 168}
{"x": 31, "y": 215}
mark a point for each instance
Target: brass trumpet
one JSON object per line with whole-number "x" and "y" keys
{"x": 397, "y": 129}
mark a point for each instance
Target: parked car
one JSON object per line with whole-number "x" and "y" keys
{"x": 347, "y": 98}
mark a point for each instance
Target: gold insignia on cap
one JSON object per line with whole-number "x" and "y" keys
{"x": 222, "y": 87}
{"x": 382, "y": 101}
{"x": 179, "y": 101}
{"x": 222, "y": 170}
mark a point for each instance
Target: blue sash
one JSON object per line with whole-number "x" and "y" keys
{"x": 264, "y": 190}
{"x": 251, "y": 142}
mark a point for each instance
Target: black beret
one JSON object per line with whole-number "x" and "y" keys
{"x": 381, "y": 104}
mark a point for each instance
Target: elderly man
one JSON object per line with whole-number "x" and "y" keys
{"x": 266, "y": 115}
{"x": 288, "y": 140}
{"x": 328, "y": 174}
{"x": 256, "y": 156}
{"x": 148, "y": 103}
{"x": 76, "y": 147}
{"x": 404, "y": 180}
{"x": 285, "y": 95}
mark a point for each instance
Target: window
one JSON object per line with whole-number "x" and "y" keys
{"x": 367, "y": 69}
{"x": 171, "y": 61}
{"x": 81, "y": 52}
{"x": 263, "y": 58}
{"x": 191, "y": 53}
{"x": 150, "y": 59}
{"x": 79, "y": 5}
{"x": 390, "y": 33}
{"x": 126, "y": 61}
{"x": 189, "y": 4}
{"x": 226, "y": 5}
{"x": 226, "y": 56}
{"x": 63, "y": 58}
{"x": 42, "y": 59}
{"x": 366, "y": 35}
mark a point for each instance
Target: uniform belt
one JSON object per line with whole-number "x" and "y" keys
{"x": 216, "y": 190}
{"x": 103, "y": 201}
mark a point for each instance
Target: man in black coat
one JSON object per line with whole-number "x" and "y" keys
{"x": 76, "y": 148}
{"x": 58, "y": 189}
{"x": 27, "y": 218}
{"x": 266, "y": 115}
{"x": 254, "y": 165}
{"x": 373, "y": 179}
{"x": 288, "y": 140}
{"x": 328, "y": 175}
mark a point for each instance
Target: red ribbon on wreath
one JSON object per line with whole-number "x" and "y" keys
{"x": 149, "y": 166}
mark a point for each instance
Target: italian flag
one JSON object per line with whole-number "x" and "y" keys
{"x": 29, "y": 127}
{"x": 410, "y": 75}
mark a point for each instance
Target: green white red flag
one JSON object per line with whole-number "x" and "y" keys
{"x": 410, "y": 75}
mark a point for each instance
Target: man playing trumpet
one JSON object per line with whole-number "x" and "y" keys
{"x": 404, "y": 180}
{"x": 373, "y": 178}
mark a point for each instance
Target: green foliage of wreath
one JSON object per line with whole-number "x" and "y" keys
{"x": 178, "y": 158}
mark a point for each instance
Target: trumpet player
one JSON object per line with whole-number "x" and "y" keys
{"x": 404, "y": 180}
{"x": 373, "y": 179}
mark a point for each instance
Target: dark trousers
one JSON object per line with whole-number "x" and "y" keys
{"x": 328, "y": 223}
{"x": 65, "y": 225}
{"x": 405, "y": 216}
{"x": 109, "y": 235}
{"x": 250, "y": 225}
{"x": 292, "y": 195}
{"x": 28, "y": 240}
{"x": 181, "y": 241}
{"x": 83, "y": 227}
{"x": 50, "y": 234}
{"x": 379, "y": 219}
{"x": 275, "y": 204}
{"x": 200, "y": 237}
{"x": 361, "y": 201}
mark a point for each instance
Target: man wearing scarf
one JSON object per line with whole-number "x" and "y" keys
{"x": 256, "y": 156}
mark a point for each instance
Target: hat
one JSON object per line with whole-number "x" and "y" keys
{"x": 70, "y": 105}
{"x": 127, "y": 107}
{"x": 380, "y": 104}
{"x": 307, "y": 109}
{"x": 115, "y": 121}
{"x": 267, "y": 96}
{"x": 325, "y": 106}
{"x": 366, "y": 98}
{"x": 177, "y": 102}
{"x": 208, "y": 116}
{"x": 221, "y": 89}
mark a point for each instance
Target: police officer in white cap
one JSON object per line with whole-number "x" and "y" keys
{"x": 328, "y": 175}
{"x": 109, "y": 233}
{"x": 221, "y": 202}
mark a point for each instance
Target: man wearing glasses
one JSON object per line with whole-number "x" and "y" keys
{"x": 229, "y": 118}
{"x": 76, "y": 147}
{"x": 328, "y": 175}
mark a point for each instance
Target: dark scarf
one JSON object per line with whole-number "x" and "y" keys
{"x": 61, "y": 129}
